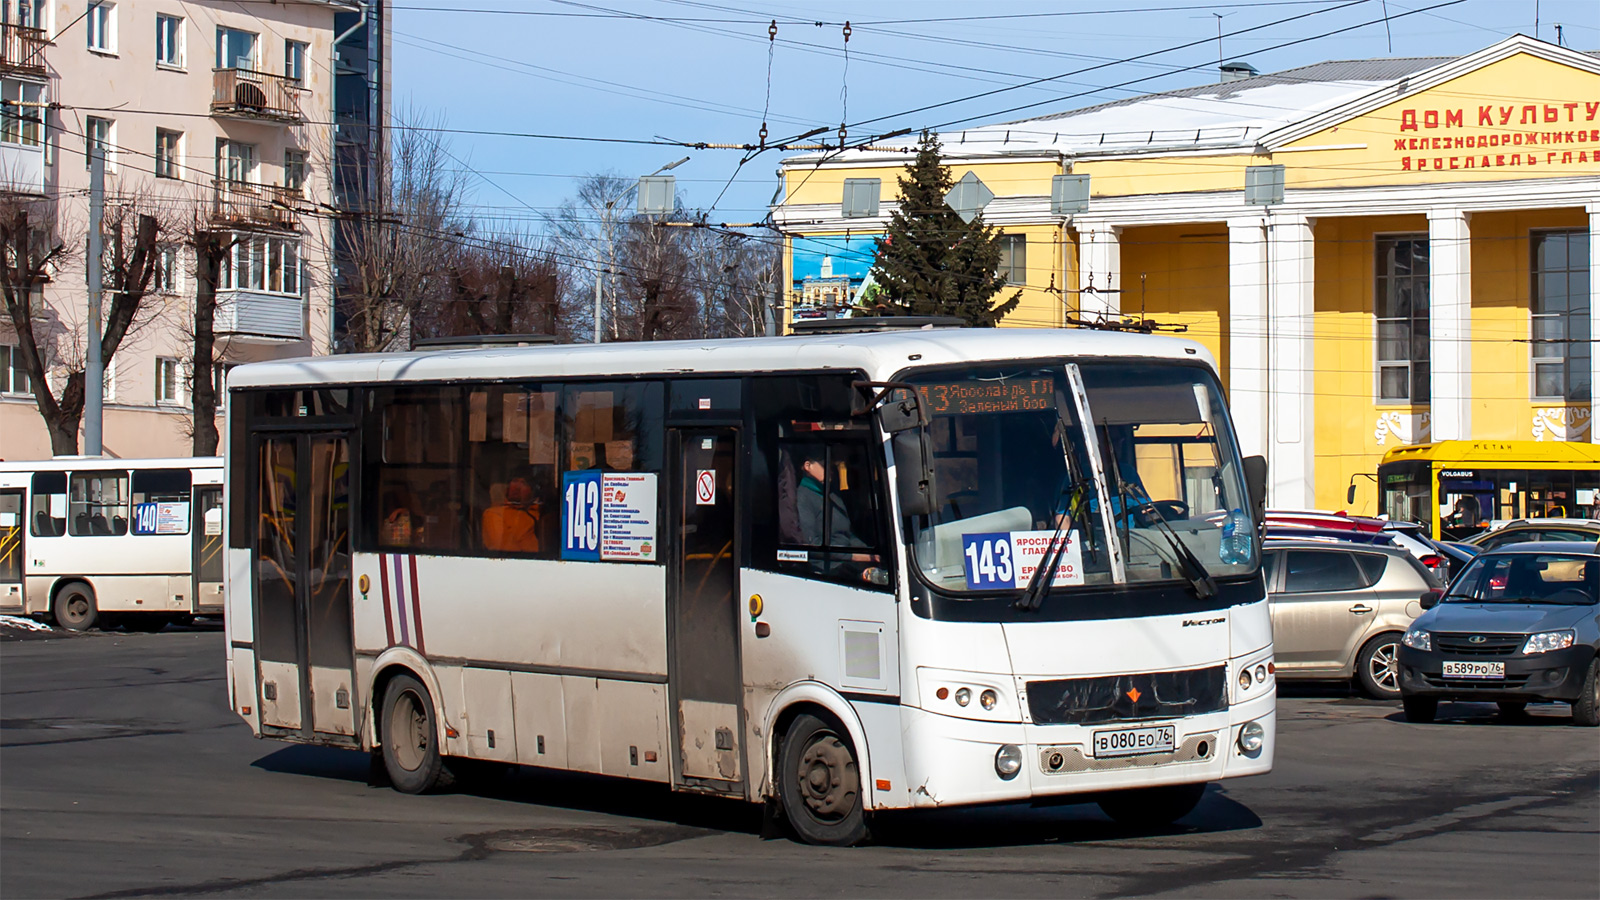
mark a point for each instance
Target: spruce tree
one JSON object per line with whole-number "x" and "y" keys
{"x": 931, "y": 263}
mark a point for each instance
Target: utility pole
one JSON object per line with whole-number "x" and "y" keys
{"x": 94, "y": 371}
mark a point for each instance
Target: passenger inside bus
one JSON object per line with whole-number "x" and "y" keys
{"x": 512, "y": 523}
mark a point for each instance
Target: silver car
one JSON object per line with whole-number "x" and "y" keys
{"x": 1340, "y": 608}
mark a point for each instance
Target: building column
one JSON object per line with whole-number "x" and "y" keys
{"x": 1594, "y": 314}
{"x": 1450, "y": 324}
{"x": 1099, "y": 271}
{"x": 1291, "y": 367}
{"x": 1247, "y": 332}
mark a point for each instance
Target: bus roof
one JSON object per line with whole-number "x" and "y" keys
{"x": 1477, "y": 453}
{"x": 879, "y": 354}
{"x": 83, "y": 463}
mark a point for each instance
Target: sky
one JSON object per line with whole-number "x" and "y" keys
{"x": 698, "y": 71}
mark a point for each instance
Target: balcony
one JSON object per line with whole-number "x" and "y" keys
{"x": 22, "y": 50}
{"x": 261, "y": 315}
{"x": 242, "y": 205}
{"x": 243, "y": 94}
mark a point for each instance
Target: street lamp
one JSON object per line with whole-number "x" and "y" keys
{"x": 605, "y": 223}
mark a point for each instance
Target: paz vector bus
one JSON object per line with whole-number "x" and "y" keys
{"x": 836, "y": 573}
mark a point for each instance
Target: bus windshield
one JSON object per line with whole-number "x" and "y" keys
{"x": 1018, "y": 455}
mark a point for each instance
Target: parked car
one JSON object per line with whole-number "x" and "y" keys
{"x": 1445, "y": 561}
{"x": 1520, "y": 530}
{"x": 1411, "y": 536}
{"x": 1339, "y": 609}
{"x": 1521, "y": 624}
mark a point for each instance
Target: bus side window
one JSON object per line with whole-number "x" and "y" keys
{"x": 98, "y": 504}
{"x": 48, "y": 509}
{"x": 512, "y": 479}
{"x": 414, "y": 472}
{"x": 161, "y": 501}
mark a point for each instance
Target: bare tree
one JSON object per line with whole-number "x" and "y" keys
{"x": 398, "y": 254}
{"x": 502, "y": 285}
{"x": 211, "y": 249}
{"x": 33, "y": 249}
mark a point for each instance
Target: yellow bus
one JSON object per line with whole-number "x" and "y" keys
{"x": 1459, "y": 488}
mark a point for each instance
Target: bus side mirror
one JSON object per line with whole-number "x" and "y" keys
{"x": 1255, "y": 479}
{"x": 1350, "y": 495}
{"x": 900, "y": 411}
{"x": 913, "y": 473}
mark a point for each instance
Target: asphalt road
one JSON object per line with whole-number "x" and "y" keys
{"x": 123, "y": 774}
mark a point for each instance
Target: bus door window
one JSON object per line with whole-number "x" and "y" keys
{"x": 98, "y": 504}
{"x": 512, "y": 479}
{"x": 10, "y": 536}
{"x": 48, "y": 509}
{"x": 161, "y": 501}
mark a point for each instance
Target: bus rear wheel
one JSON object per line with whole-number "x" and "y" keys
{"x": 410, "y": 738}
{"x": 820, "y": 784}
{"x": 75, "y": 608}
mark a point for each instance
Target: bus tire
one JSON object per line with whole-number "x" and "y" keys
{"x": 1378, "y": 667}
{"x": 75, "y": 608}
{"x": 410, "y": 738}
{"x": 1149, "y": 807}
{"x": 819, "y": 783}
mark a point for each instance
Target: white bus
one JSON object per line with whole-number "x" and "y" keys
{"x": 93, "y": 540}
{"x": 793, "y": 570}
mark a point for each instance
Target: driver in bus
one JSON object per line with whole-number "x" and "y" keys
{"x": 513, "y": 523}
{"x": 823, "y": 518}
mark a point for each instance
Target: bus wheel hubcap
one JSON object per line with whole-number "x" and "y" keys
{"x": 827, "y": 779}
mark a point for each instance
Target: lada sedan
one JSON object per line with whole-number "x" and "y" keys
{"x": 1520, "y": 625}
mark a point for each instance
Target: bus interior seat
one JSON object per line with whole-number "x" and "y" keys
{"x": 46, "y": 526}
{"x": 81, "y": 524}
{"x": 99, "y": 525}
{"x": 119, "y": 525}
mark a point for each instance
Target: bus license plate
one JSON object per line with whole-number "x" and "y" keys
{"x": 1133, "y": 741}
{"x": 1474, "y": 670}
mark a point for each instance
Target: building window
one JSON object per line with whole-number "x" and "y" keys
{"x": 294, "y": 61}
{"x": 29, "y": 13}
{"x": 1014, "y": 259}
{"x": 259, "y": 262}
{"x": 108, "y": 381}
{"x": 100, "y": 24}
{"x": 169, "y": 381}
{"x": 294, "y": 170}
{"x": 169, "y": 41}
{"x": 236, "y": 162}
{"x": 1400, "y": 303}
{"x": 20, "y": 113}
{"x": 98, "y": 132}
{"x": 166, "y": 279}
{"x": 1561, "y": 292}
{"x": 13, "y": 374}
{"x": 861, "y": 197}
{"x": 236, "y": 49}
{"x": 168, "y": 153}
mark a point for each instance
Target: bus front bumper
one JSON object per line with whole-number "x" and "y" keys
{"x": 951, "y": 761}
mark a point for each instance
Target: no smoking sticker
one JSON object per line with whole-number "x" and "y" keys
{"x": 705, "y": 487}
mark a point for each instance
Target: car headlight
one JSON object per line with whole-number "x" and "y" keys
{"x": 1417, "y": 639}
{"x": 1545, "y": 641}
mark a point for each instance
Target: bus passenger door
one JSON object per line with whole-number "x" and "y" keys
{"x": 703, "y": 615}
{"x": 207, "y": 566}
{"x": 302, "y": 563}
{"x": 11, "y": 549}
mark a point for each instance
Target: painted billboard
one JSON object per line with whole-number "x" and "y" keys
{"x": 829, "y": 271}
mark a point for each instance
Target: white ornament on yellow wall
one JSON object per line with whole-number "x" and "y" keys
{"x": 1406, "y": 428}
{"x": 1561, "y": 423}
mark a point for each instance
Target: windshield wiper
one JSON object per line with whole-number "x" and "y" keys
{"x": 1044, "y": 577}
{"x": 1193, "y": 569}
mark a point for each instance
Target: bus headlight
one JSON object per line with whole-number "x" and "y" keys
{"x": 988, "y": 699}
{"x": 1244, "y": 679}
{"x": 1008, "y": 761}
{"x": 1251, "y": 737}
{"x": 963, "y": 696}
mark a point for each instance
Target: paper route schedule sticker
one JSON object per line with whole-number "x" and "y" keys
{"x": 1008, "y": 559}
{"x": 608, "y": 516}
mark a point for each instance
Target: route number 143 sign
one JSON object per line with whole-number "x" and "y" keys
{"x": 1008, "y": 559}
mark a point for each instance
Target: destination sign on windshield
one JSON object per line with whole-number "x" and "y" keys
{"x": 965, "y": 398}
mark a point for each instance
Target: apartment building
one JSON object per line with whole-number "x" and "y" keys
{"x": 1377, "y": 252}
{"x": 214, "y": 117}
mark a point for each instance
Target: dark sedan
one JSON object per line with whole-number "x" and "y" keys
{"x": 1521, "y": 624}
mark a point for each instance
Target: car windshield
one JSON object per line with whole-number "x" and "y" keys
{"x": 1557, "y": 578}
{"x": 1014, "y": 461}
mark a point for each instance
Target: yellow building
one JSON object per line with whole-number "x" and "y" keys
{"x": 1378, "y": 252}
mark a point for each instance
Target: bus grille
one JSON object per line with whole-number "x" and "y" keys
{"x": 1120, "y": 698}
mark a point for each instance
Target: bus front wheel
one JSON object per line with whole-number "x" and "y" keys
{"x": 410, "y": 738}
{"x": 74, "y": 608}
{"x": 820, "y": 784}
